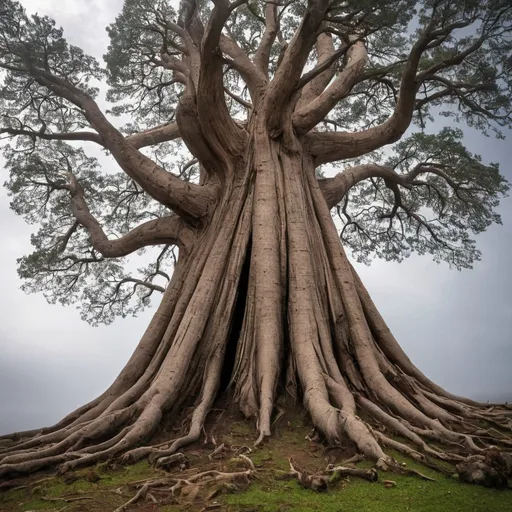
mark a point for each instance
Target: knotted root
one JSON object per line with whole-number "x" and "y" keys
{"x": 176, "y": 486}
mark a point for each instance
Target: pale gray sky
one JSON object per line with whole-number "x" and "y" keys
{"x": 454, "y": 325}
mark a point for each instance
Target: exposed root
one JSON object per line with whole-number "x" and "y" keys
{"x": 314, "y": 482}
{"x": 171, "y": 461}
{"x": 248, "y": 462}
{"x": 176, "y": 486}
{"x": 219, "y": 450}
{"x": 338, "y": 472}
{"x": 141, "y": 494}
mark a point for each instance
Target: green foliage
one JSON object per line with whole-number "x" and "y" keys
{"x": 477, "y": 90}
{"x": 143, "y": 88}
{"x": 35, "y": 43}
{"x": 63, "y": 265}
{"x": 436, "y": 212}
{"x": 467, "y": 79}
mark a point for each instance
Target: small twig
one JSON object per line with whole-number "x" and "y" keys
{"x": 217, "y": 450}
{"x": 242, "y": 448}
{"x": 279, "y": 415}
{"x": 315, "y": 482}
{"x": 152, "y": 498}
{"x": 416, "y": 473}
{"x": 140, "y": 494}
{"x": 366, "y": 474}
{"x": 214, "y": 506}
{"x": 249, "y": 462}
{"x": 67, "y": 500}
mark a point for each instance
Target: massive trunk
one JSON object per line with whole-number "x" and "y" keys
{"x": 265, "y": 304}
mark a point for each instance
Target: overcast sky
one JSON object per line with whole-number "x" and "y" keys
{"x": 454, "y": 325}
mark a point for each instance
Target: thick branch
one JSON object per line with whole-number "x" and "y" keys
{"x": 329, "y": 147}
{"x": 261, "y": 59}
{"x": 308, "y": 117}
{"x": 251, "y": 75}
{"x": 224, "y": 135}
{"x": 157, "y": 135}
{"x": 165, "y": 230}
{"x": 188, "y": 200}
{"x": 327, "y": 60}
{"x": 290, "y": 69}
{"x": 335, "y": 188}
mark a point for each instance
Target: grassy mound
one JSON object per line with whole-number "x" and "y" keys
{"x": 106, "y": 487}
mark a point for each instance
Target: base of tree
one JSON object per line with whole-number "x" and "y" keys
{"x": 224, "y": 462}
{"x": 227, "y": 437}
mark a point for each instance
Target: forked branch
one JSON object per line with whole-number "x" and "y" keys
{"x": 329, "y": 146}
{"x": 188, "y": 200}
{"x": 165, "y": 230}
{"x": 335, "y": 189}
{"x": 292, "y": 64}
{"x": 310, "y": 115}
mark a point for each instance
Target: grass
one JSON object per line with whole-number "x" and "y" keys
{"x": 409, "y": 494}
{"x": 267, "y": 493}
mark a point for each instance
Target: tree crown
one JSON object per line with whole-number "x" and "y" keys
{"x": 361, "y": 85}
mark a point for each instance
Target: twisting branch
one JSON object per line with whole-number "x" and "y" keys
{"x": 328, "y": 146}
{"x": 165, "y": 230}
{"x": 308, "y": 117}
{"x": 335, "y": 188}
{"x": 315, "y": 81}
{"x": 290, "y": 68}
{"x": 261, "y": 59}
{"x": 251, "y": 75}
{"x": 138, "y": 140}
{"x": 224, "y": 136}
{"x": 188, "y": 200}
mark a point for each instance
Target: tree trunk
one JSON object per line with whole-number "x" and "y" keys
{"x": 264, "y": 302}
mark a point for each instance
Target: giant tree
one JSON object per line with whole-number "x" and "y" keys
{"x": 229, "y": 111}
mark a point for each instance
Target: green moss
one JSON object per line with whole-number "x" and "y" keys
{"x": 38, "y": 505}
{"x": 139, "y": 471}
{"x": 268, "y": 494}
{"x": 410, "y": 493}
{"x": 242, "y": 428}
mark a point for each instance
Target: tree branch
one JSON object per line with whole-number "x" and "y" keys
{"x": 261, "y": 59}
{"x": 308, "y": 117}
{"x": 157, "y": 135}
{"x": 77, "y": 136}
{"x": 188, "y": 200}
{"x": 165, "y": 230}
{"x": 251, "y": 75}
{"x": 328, "y": 147}
{"x": 335, "y": 188}
{"x": 315, "y": 81}
{"x": 292, "y": 64}
{"x": 223, "y": 134}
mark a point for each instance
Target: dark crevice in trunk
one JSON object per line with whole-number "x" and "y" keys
{"x": 236, "y": 321}
{"x": 287, "y": 349}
